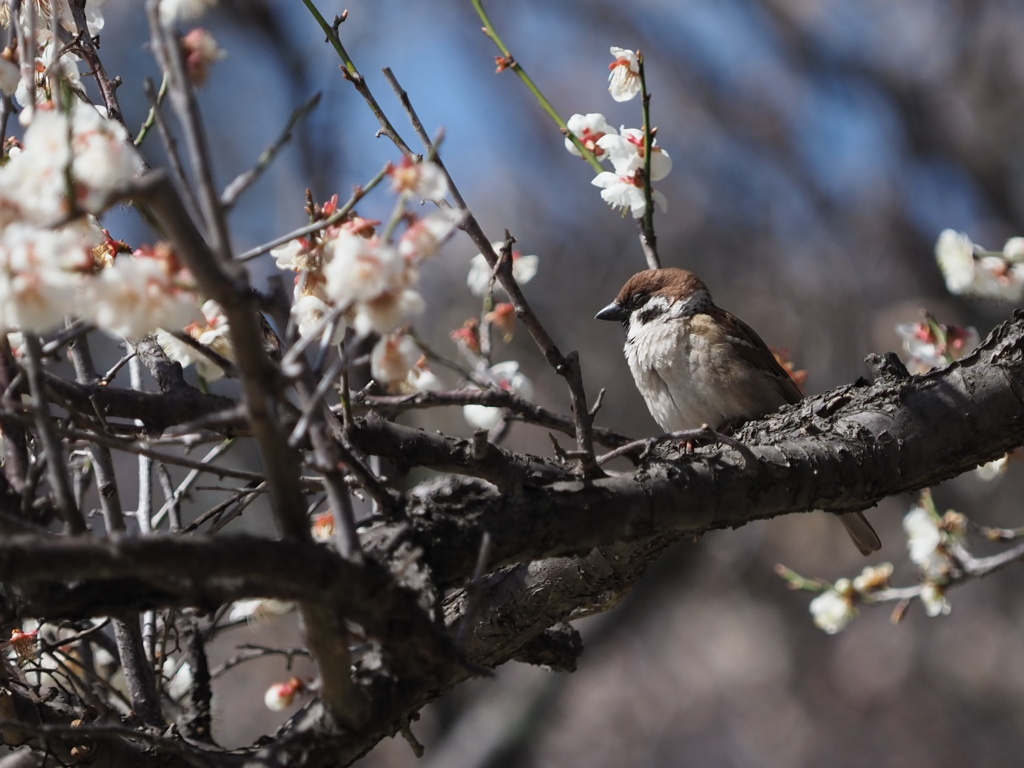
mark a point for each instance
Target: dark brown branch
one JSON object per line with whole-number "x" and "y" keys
{"x": 407, "y": 445}
{"x": 157, "y": 411}
{"x": 392, "y": 405}
{"x": 841, "y": 451}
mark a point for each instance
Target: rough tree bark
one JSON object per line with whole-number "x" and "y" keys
{"x": 560, "y": 547}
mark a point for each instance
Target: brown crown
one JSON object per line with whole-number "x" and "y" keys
{"x": 678, "y": 283}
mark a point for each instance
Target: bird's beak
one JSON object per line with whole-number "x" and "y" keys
{"x": 612, "y": 312}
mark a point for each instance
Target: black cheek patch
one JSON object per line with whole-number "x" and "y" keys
{"x": 651, "y": 312}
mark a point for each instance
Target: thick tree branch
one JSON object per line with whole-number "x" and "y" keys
{"x": 569, "y": 547}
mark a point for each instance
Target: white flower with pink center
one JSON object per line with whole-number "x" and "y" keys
{"x": 393, "y": 356}
{"x": 137, "y": 295}
{"x": 627, "y": 193}
{"x": 309, "y": 312}
{"x": 100, "y": 156}
{"x": 589, "y": 129}
{"x": 359, "y": 269}
{"x": 425, "y": 236}
{"x": 212, "y": 331}
{"x": 39, "y": 275}
{"x": 280, "y": 696}
{"x": 626, "y": 152}
{"x": 624, "y": 77}
{"x": 422, "y": 179}
{"x": 387, "y": 311}
{"x": 508, "y": 377}
{"x": 524, "y": 268}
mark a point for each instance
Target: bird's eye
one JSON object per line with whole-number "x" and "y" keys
{"x": 635, "y": 301}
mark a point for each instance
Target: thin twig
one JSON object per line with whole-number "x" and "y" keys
{"x": 169, "y": 53}
{"x": 566, "y": 366}
{"x": 348, "y": 69}
{"x": 87, "y": 48}
{"x": 56, "y": 465}
{"x": 340, "y": 215}
{"x": 245, "y": 180}
{"x": 175, "y": 496}
{"x": 170, "y": 143}
{"x": 648, "y": 240}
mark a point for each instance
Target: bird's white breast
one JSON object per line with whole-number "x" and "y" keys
{"x": 686, "y": 379}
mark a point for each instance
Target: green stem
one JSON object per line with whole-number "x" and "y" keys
{"x": 796, "y": 581}
{"x": 546, "y": 105}
{"x": 332, "y": 36}
{"x": 151, "y": 117}
{"x": 941, "y": 336}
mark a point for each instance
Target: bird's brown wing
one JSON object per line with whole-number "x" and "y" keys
{"x": 756, "y": 352}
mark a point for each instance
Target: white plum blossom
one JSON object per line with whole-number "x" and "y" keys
{"x": 138, "y": 295}
{"x": 387, "y": 311}
{"x": 508, "y": 377}
{"x": 970, "y": 270}
{"x": 626, "y": 152}
{"x": 925, "y": 542}
{"x": 350, "y": 270}
{"x": 309, "y": 311}
{"x": 1013, "y": 250}
{"x": 40, "y": 275}
{"x": 997, "y": 278}
{"x": 927, "y": 350}
{"x": 624, "y": 77}
{"x": 627, "y": 193}
{"x": 422, "y": 179}
{"x": 92, "y": 150}
{"x": 174, "y": 11}
{"x": 833, "y": 609}
{"x": 48, "y": 72}
{"x": 280, "y": 696}
{"x": 393, "y": 356}
{"x": 954, "y": 252}
{"x": 933, "y": 597}
{"x": 589, "y": 129}
{"x": 296, "y": 255}
{"x": 360, "y": 269}
{"x": 425, "y": 236}
{"x": 420, "y": 379}
{"x": 524, "y": 268}
{"x": 212, "y": 331}
{"x": 624, "y": 188}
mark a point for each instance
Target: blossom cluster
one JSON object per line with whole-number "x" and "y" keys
{"x": 833, "y": 609}
{"x": 624, "y": 186}
{"x": 349, "y": 276}
{"x": 932, "y": 541}
{"x": 72, "y": 160}
{"x": 504, "y": 375}
{"x": 970, "y": 270}
{"x": 212, "y": 332}
{"x": 931, "y": 345}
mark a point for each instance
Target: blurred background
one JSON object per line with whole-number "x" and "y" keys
{"x": 819, "y": 147}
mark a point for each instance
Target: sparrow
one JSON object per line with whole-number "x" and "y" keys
{"x": 696, "y": 364}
